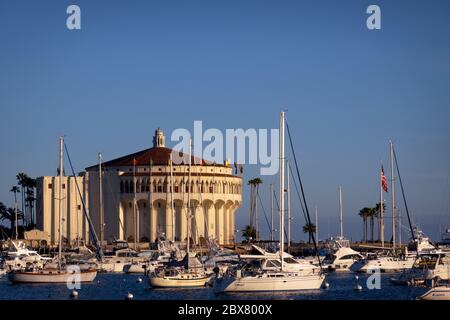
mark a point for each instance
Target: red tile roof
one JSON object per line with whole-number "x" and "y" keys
{"x": 159, "y": 156}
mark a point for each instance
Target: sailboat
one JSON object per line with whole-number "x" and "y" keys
{"x": 189, "y": 272}
{"x": 395, "y": 261}
{"x": 342, "y": 256}
{"x": 60, "y": 273}
{"x": 251, "y": 277}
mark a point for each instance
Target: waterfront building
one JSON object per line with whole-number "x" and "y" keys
{"x": 75, "y": 227}
{"x": 138, "y": 204}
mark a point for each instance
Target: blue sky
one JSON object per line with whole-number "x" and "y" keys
{"x": 138, "y": 65}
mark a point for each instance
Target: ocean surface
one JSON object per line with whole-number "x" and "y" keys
{"x": 108, "y": 286}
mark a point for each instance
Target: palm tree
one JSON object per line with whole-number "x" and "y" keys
{"x": 378, "y": 215}
{"x": 30, "y": 199}
{"x": 364, "y": 213}
{"x": 372, "y": 215}
{"x": 249, "y": 233}
{"x": 15, "y": 190}
{"x": 309, "y": 228}
{"x": 9, "y": 214}
{"x": 22, "y": 180}
{"x": 254, "y": 183}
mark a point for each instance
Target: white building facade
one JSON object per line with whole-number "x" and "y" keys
{"x": 75, "y": 226}
{"x": 144, "y": 197}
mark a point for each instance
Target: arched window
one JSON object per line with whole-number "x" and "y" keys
{"x": 160, "y": 188}
{"x": 122, "y": 187}
{"x": 147, "y": 185}
{"x": 127, "y": 187}
{"x": 138, "y": 185}
{"x": 131, "y": 186}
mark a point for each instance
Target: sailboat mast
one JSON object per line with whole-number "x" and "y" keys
{"x": 134, "y": 205}
{"x": 281, "y": 188}
{"x": 341, "y": 224}
{"x": 317, "y": 227}
{"x": 288, "y": 205}
{"x": 171, "y": 198}
{"x": 189, "y": 199}
{"x": 100, "y": 195}
{"x": 393, "y": 195}
{"x": 272, "y": 230}
{"x": 150, "y": 202}
{"x": 381, "y": 214}
{"x": 61, "y": 169}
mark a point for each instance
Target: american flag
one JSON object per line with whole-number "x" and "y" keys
{"x": 383, "y": 180}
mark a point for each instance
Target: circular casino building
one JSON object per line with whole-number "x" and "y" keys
{"x": 144, "y": 196}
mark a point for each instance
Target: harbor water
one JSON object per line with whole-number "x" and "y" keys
{"x": 109, "y": 286}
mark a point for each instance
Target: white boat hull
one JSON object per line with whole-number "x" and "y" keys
{"x": 54, "y": 276}
{"x": 177, "y": 282}
{"x": 139, "y": 267}
{"x": 382, "y": 265}
{"x": 437, "y": 293}
{"x": 256, "y": 283}
{"x": 112, "y": 267}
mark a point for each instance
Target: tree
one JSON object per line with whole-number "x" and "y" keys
{"x": 249, "y": 233}
{"x": 15, "y": 190}
{"x": 378, "y": 215}
{"x": 364, "y": 213}
{"x": 30, "y": 199}
{"x": 9, "y": 214}
{"x": 309, "y": 228}
{"x": 22, "y": 179}
{"x": 372, "y": 215}
{"x": 254, "y": 183}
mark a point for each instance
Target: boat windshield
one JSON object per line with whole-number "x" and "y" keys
{"x": 426, "y": 262}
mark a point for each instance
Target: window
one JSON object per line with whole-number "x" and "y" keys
{"x": 289, "y": 260}
{"x": 350, "y": 256}
{"x": 273, "y": 264}
{"x": 63, "y": 185}
{"x": 50, "y": 186}
{"x": 79, "y": 207}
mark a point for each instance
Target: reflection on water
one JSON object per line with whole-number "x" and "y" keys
{"x": 116, "y": 286}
